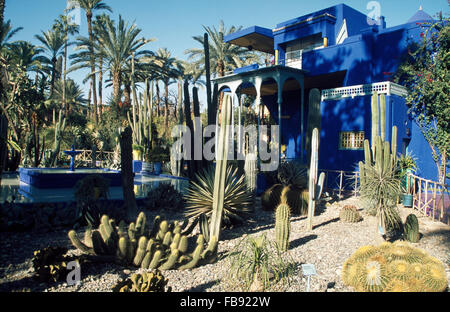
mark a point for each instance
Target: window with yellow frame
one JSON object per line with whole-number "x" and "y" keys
{"x": 351, "y": 140}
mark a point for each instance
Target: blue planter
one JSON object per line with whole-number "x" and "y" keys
{"x": 407, "y": 200}
{"x": 157, "y": 168}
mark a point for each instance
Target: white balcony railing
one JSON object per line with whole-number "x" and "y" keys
{"x": 294, "y": 59}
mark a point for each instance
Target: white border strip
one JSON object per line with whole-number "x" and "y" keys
{"x": 385, "y": 87}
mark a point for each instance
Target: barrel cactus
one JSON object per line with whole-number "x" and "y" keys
{"x": 282, "y": 226}
{"x": 394, "y": 267}
{"x": 350, "y": 213}
{"x": 411, "y": 229}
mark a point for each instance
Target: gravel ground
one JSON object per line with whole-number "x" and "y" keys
{"x": 327, "y": 247}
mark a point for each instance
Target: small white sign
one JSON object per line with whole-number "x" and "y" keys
{"x": 309, "y": 269}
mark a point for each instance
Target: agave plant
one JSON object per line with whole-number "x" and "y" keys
{"x": 293, "y": 173}
{"x": 238, "y": 202}
{"x": 382, "y": 188}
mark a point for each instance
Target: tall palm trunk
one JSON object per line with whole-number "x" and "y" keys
{"x": 166, "y": 105}
{"x": 92, "y": 61}
{"x": 127, "y": 93}
{"x": 157, "y": 99}
{"x": 100, "y": 87}
{"x": 116, "y": 86}
{"x": 52, "y": 82}
{"x": 64, "y": 105}
{"x": 2, "y": 10}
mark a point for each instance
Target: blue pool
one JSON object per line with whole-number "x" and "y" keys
{"x": 13, "y": 188}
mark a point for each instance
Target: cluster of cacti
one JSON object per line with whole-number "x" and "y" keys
{"x": 315, "y": 185}
{"x": 142, "y": 114}
{"x": 411, "y": 229}
{"x": 350, "y": 213}
{"x": 145, "y": 282}
{"x": 164, "y": 246}
{"x": 59, "y": 128}
{"x": 379, "y": 180}
{"x": 292, "y": 189}
{"x": 282, "y": 226}
{"x": 50, "y": 264}
{"x": 394, "y": 267}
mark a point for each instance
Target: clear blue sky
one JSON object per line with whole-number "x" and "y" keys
{"x": 174, "y": 22}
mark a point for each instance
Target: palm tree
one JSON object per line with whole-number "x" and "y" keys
{"x": 117, "y": 44}
{"x": 2, "y": 10}
{"x": 100, "y": 20}
{"x": 223, "y": 56}
{"x": 169, "y": 69}
{"x": 7, "y": 32}
{"x": 90, "y": 6}
{"x": 53, "y": 43}
{"x": 27, "y": 56}
{"x": 73, "y": 94}
{"x": 63, "y": 25}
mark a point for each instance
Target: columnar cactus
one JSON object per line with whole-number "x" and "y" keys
{"x": 411, "y": 229}
{"x": 315, "y": 185}
{"x": 282, "y": 226}
{"x": 221, "y": 169}
{"x": 251, "y": 171}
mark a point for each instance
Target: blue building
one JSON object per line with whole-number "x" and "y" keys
{"x": 348, "y": 57}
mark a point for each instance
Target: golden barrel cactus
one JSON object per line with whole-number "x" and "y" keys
{"x": 394, "y": 267}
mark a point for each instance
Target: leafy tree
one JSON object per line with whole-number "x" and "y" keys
{"x": 223, "y": 56}
{"x": 63, "y": 25}
{"x": 53, "y": 42}
{"x": 426, "y": 74}
{"x": 7, "y": 32}
{"x": 169, "y": 71}
{"x": 91, "y": 6}
{"x": 117, "y": 44}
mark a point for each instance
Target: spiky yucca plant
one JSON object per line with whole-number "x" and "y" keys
{"x": 382, "y": 187}
{"x": 238, "y": 202}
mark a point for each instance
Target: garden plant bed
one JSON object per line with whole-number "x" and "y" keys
{"x": 327, "y": 247}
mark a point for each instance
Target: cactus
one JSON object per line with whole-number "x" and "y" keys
{"x": 145, "y": 282}
{"x": 394, "y": 267}
{"x": 272, "y": 197}
{"x": 315, "y": 186}
{"x": 141, "y": 120}
{"x": 251, "y": 171}
{"x": 221, "y": 168}
{"x": 411, "y": 229}
{"x": 59, "y": 128}
{"x": 314, "y": 119}
{"x": 167, "y": 249}
{"x": 282, "y": 226}
{"x": 350, "y": 214}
